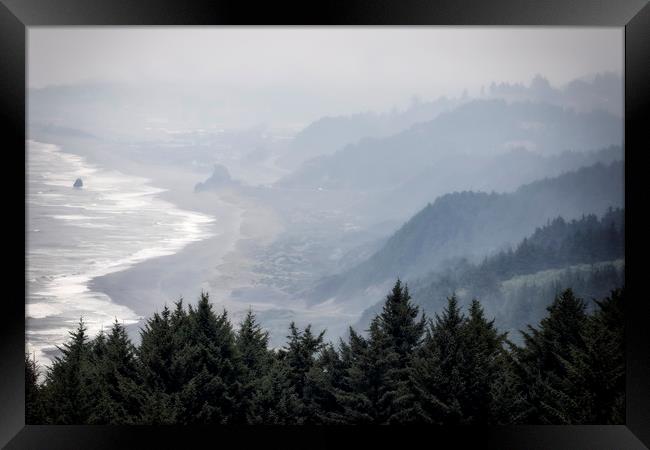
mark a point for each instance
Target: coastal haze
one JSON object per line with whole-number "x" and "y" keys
{"x": 298, "y": 172}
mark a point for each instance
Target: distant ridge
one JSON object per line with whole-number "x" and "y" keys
{"x": 496, "y": 127}
{"x": 473, "y": 224}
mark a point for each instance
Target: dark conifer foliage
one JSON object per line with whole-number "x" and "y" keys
{"x": 252, "y": 346}
{"x": 211, "y": 368}
{"x": 584, "y": 254}
{"x": 481, "y": 365}
{"x": 275, "y": 401}
{"x": 299, "y": 356}
{"x": 596, "y": 369}
{"x": 34, "y": 413}
{"x": 324, "y": 382}
{"x": 115, "y": 388}
{"x": 541, "y": 365}
{"x": 66, "y": 392}
{"x": 192, "y": 367}
{"x": 438, "y": 376}
{"x": 394, "y": 335}
{"x": 361, "y": 382}
{"x": 156, "y": 369}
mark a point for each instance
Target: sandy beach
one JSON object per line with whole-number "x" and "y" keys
{"x": 217, "y": 265}
{"x": 226, "y": 264}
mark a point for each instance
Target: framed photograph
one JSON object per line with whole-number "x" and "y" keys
{"x": 323, "y": 220}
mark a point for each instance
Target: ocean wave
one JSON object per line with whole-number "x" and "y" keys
{"x": 114, "y": 222}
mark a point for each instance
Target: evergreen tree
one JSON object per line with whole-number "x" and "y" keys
{"x": 117, "y": 392}
{"x": 252, "y": 345}
{"x": 322, "y": 384}
{"x": 96, "y": 389}
{"x": 378, "y": 379}
{"x": 540, "y": 366}
{"x": 181, "y": 330}
{"x": 211, "y": 370}
{"x": 191, "y": 367}
{"x": 437, "y": 375}
{"x": 361, "y": 382}
{"x": 156, "y": 362}
{"x": 66, "y": 385}
{"x": 300, "y": 356}
{"x": 596, "y": 371}
{"x": 398, "y": 323}
{"x": 396, "y": 337}
{"x": 275, "y": 401}
{"x": 482, "y": 362}
{"x": 507, "y": 403}
{"x": 34, "y": 413}
{"x": 156, "y": 352}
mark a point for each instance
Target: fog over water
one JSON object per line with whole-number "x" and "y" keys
{"x": 298, "y": 171}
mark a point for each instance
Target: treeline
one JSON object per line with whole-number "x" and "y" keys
{"x": 522, "y": 302}
{"x": 193, "y": 367}
{"x": 560, "y": 244}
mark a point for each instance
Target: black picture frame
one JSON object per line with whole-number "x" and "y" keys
{"x": 17, "y": 15}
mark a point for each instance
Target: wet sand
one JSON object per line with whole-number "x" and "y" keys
{"x": 217, "y": 265}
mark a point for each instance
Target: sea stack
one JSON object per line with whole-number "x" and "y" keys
{"x": 78, "y": 183}
{"x": 220, "y": 178}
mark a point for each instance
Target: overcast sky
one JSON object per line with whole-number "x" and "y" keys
{"x": 357, "y": 68}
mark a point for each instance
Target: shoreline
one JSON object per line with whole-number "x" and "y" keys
{"x": 224, "y": 264}
{"x": 146, "y": 285}
{"x": 218, "y": 265}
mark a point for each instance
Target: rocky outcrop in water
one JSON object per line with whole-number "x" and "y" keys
{"x": 220, "y": 178}
{"x": 78, "y": 183}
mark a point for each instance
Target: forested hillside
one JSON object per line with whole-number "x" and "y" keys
{"x": 504, "y": 172}
{"x": 474, "y": 224}
{"x": 330, "y": 134}
{"x": 192, "y": 367}
{"x": 421, "y": 226}
{"x": 515, "y": 285}
{"x": 497, "y": 126}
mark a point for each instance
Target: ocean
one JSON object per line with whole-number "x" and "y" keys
{"x": 76, "y": 234}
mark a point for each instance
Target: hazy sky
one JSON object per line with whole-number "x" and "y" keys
{"x": 353, "y": 68}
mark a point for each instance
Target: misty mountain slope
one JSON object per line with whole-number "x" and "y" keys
{"x": 335, "y": 230}
{"x": 501, "y": 173}
{"x": 473, "y": 224}
{"x": 516, "y": 285}
{"x": 475, "y": 128}
{"x": 329, "y": 134}
{"x": 598, "y": 91}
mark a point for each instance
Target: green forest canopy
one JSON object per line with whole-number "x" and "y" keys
{"x": 193, "y": 367}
